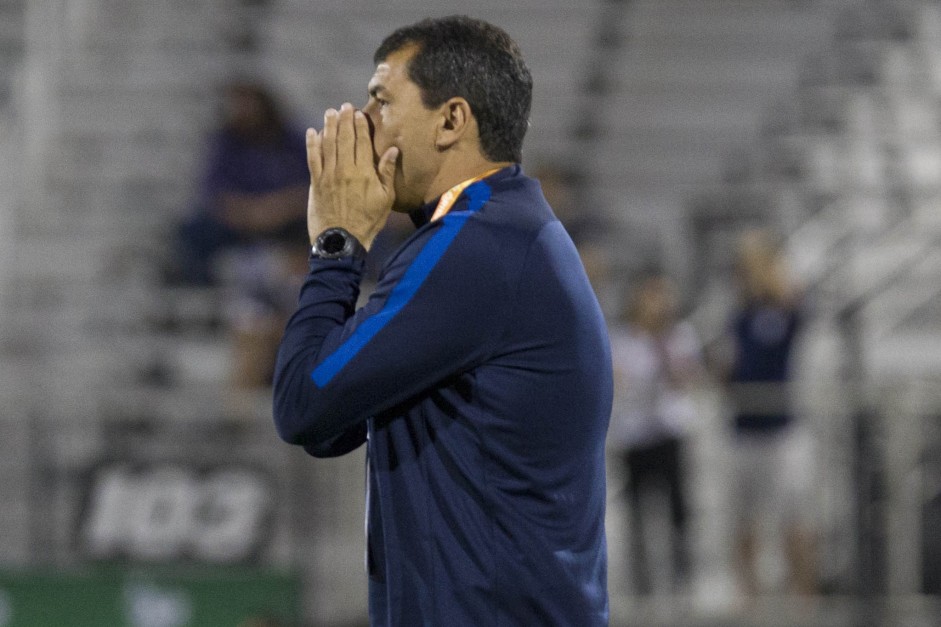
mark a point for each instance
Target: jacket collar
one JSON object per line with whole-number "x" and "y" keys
{"x": 422, "y": 215}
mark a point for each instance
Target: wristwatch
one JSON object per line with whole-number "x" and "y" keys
{"x": 337, "y": 243}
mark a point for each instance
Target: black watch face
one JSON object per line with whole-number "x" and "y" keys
{"x": 333, "y": 242}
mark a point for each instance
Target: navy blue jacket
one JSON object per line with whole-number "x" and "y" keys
{"x": 479, "y": 371}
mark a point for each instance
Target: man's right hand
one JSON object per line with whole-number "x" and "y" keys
{"x": 347, "y": 188}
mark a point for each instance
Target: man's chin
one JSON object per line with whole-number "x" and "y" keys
{"x": 402, "y": 202}
{"x": 405, "y": 207}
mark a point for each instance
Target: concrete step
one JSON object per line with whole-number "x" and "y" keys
{"x": 878, "y": 21}
{"x": 143, "y": 71}
{"x": 665, "y": 157}
{"x": 120, "y": 165}
{"x": 129, "y": 110}
{"x": 196, "y": 403}
{"x": 917, "y": 164}
{"x": 138, "y": 213}
{"x": 905, "y": 355}
{"x": 707, "y": 69}
{"x": 911, "y": 307}
{"x": 128, "y": 25}
{"x": 699, "y": 112}
{"x": 11, "y": 32}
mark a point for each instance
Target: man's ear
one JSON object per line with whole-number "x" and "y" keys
{"x": 456, "y": 121}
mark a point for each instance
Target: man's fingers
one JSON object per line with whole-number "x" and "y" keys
{"x": 314, "y": 154}
{"x": 346, "y": 137}
{"x": 386, "y": 168}
{"x": 364, "y": 150}
{"x": 329, "y": 142}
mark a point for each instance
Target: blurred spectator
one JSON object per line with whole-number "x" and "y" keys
{"x": 254, "y": 184}
{"x": 248, "y": 231}
{"x": 771, "y": 463}
{"x": 657, "y": 359}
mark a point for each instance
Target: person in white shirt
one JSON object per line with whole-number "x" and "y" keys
{"x": 656, "y": 360}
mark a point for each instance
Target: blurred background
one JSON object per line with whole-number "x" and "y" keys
{"x": 149, "y": 198}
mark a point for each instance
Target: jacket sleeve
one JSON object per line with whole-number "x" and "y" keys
{"x": 433, "y": 315}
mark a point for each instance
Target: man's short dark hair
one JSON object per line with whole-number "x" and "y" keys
{"x": 474, "y": 60}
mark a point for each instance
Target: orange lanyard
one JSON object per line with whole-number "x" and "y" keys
{"x": 450, "y": 197}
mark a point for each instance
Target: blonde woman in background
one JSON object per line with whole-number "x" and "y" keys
{"x": 772, "y": 477}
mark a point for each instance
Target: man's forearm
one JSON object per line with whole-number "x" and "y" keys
{"x": 327, "y": 300}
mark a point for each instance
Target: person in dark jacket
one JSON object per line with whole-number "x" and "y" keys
{"x": 478, "y": 372}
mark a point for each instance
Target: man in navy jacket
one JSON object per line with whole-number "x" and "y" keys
{"x": 478, "y": 372}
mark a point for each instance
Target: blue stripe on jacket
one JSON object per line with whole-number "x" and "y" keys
{"x": 477, "y": 194}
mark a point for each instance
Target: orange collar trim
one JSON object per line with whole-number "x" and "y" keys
{"x": 448, "y": 198}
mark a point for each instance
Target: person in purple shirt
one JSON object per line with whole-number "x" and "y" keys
{"x": 478, "y": 373}
{"x": 254, "y": 183}
{"x": 246, "y": 233}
